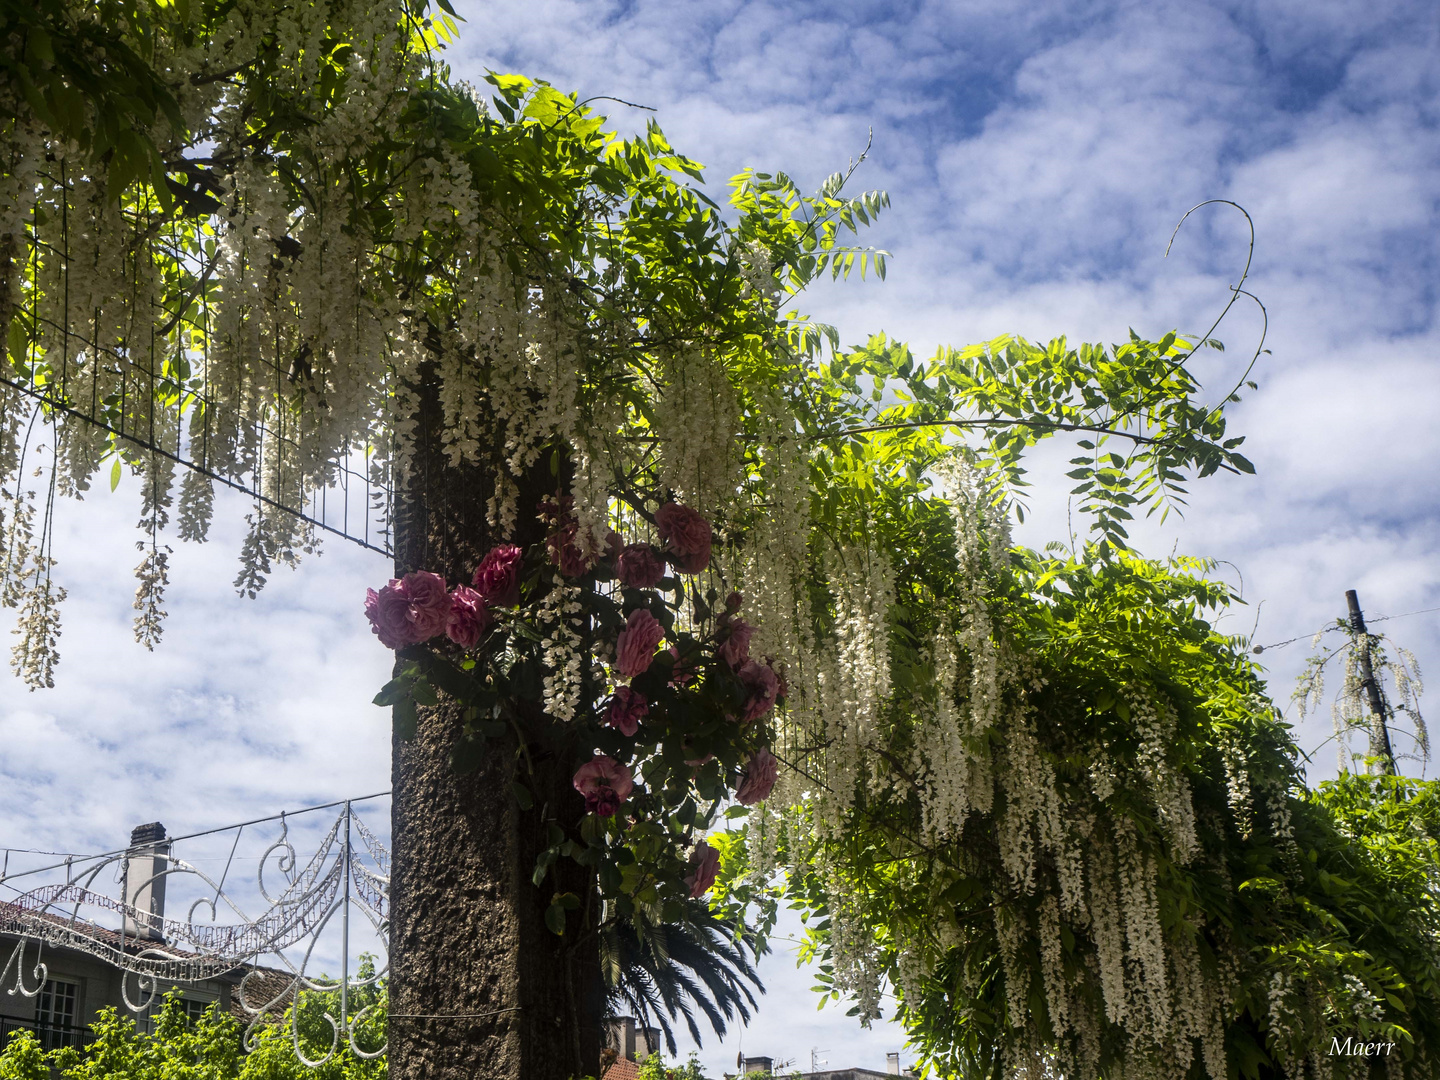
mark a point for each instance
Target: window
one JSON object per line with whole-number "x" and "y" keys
{"x": 55, "y": 1014}
{"x": 193, "y": 1009}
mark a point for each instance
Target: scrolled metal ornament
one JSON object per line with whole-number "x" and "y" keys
{"x": 275, "y": 949}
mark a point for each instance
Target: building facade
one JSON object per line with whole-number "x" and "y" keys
{"x": 58, "y": 991}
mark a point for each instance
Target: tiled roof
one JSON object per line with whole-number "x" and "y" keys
{"x": 10, "y": 924}
{"x": 266, "y": 984}
{"x": 622, "y": 1069}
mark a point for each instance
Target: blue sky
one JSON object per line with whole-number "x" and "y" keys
{"x": 1037, "y": 156}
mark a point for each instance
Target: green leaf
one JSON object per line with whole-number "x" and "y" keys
{"x": 392, "y": 692}
{"x": 467, "y": 755}
{"x": 423, "y": 692}
{"x": 449, "y": 678}
{"x": 406, "y": 719}
{"x": 555, "y": 919}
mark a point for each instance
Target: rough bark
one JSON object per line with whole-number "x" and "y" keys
{"x": 479, "y": 987}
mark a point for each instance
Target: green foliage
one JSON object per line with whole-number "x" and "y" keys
{"x": 205, "y": 1049}
{"x": 772, "y": 207}
{"x": 887, "y": 418}
{"x": 22, "y": 1058}
{"x": 1328, "y": 898}
{"x": 272, "y": 1049}
{"x": 654, "y": 1068}
{"x": 86, "y": 73}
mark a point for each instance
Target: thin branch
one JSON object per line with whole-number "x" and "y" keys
{"x": 1046, "y": 425}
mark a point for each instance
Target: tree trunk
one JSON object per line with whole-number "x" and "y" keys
{"x": 479, "y": 987}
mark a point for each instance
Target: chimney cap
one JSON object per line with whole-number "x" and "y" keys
{"x": 150, "y": 833}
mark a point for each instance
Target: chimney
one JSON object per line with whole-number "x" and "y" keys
{"x": 630, "y": 1040}
{"x": 760, "y": 1064}
{"x": 145, "y": 864}
{"x": 892, "y": 1064}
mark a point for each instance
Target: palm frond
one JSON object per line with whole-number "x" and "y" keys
{"x": 665, "y": 972}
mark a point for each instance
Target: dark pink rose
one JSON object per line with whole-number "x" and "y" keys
{"x": 498, "y": 576}
{"x": 603, "y": 802}
{"x": 704, "y": 865}
{"x": 757, "y": 779}
{"x": 605, "y": 783}
{"x": 409, "y": 611}
{"x": 640, "y": 566}
{"x": 389, "y": 615}
{"x": 429, "y": 604}
{"x": 565, "y": 553}
{"x": 627, "y": 708}
{"x": 686, "y": 536}
{"x": 635, "y": 647}
{"x": 469, "y": 617}
{"x": 734, "y": 649}
{"x": 733, "y": 602}
{"x": 761, "y": 688}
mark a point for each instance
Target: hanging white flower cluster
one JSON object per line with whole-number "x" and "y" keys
{"x": 247, "y": 334}
{"x": 280, "y": 331}
{"x": 1397, "y": 682}
{"x": 697, "y": 420}
{"x": 851, "y": 679}
{"x": 1156, "y": 727}
{"x": 564, "y": 654}
{"x": 758, "y": 270}
{"x": 1071, "y": 856}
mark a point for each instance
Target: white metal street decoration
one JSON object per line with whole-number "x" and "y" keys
{"x": 111, "y": 907}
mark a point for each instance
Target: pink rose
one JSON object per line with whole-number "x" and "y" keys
{"x": 389, "y": 615}
{"x": 429, "y": 603}
{"x": 686, "y": 535}
{"x": 409, "y": 611}
{"x": 757, "y": 779}
{"x": 704, "y": 864}
{"x": 498, "y": 576}
{"x": 635, "y": 647}
{"x": 761, "y": 686}
{"x": 469, "y": 617}
{"x": 605, "y": 783}
{"x": 565, "y": 553}
{"x": 627, "y": 708}
{"x": 640, "y": 566}
{"x": 735, "y": 648}
{"x": 695, "y": 762}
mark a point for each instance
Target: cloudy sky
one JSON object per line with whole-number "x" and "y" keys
{"x": 1037, "y": 157}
